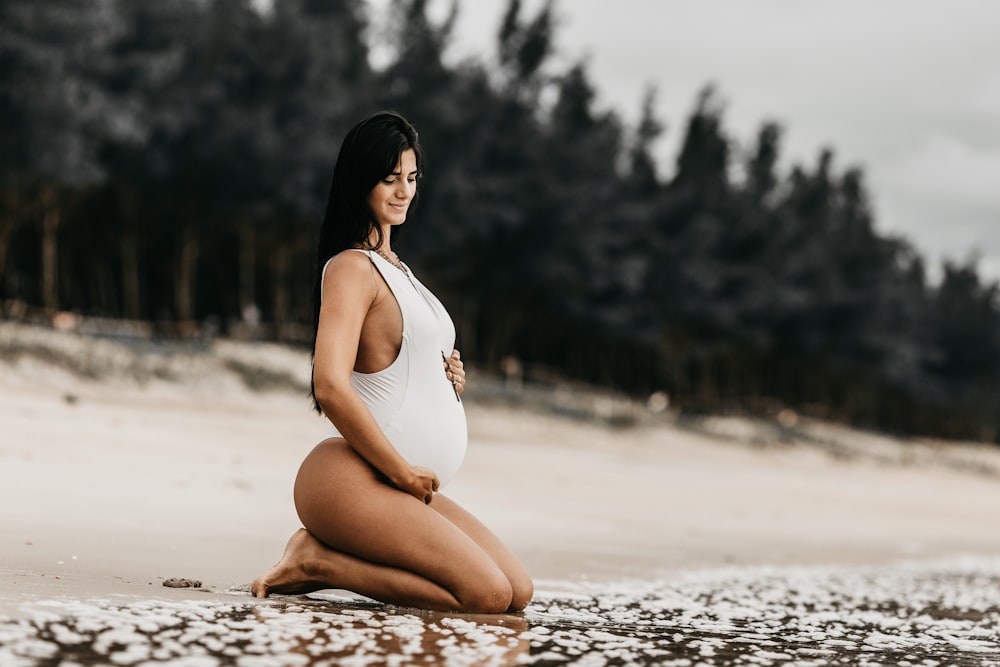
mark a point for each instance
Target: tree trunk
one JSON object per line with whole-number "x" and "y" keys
{"x": 248, "y": 287}
{"x": 280, "y": 261}
{"x": 7, "y": 223}
{"x": 131, "y": 300}
{"x": 51, "y": 219}
{"x": 468, "y": 317}
{"x": 131, "y": 305}
{"x": 186, "y": 279}
{"x": 501, "y": 334}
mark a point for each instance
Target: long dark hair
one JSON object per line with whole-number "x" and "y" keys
{"x": 370, "y": 152}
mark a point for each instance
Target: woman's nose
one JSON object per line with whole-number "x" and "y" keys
{"x": 405, "y": 189}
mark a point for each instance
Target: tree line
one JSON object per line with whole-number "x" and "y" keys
{"x": 168, "y": 161}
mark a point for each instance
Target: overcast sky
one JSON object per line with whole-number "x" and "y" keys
{"x": 907, "y": 89}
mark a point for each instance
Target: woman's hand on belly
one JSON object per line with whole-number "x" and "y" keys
{"x": 454, "y": 370}
{"x": 421, "y": 483}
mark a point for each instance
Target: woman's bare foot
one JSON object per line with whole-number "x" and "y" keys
{"x": 298, "y": 570}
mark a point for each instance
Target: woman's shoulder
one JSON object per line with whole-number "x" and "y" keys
{"x": 351, "y": 258}
{"x": 346, "y": 267}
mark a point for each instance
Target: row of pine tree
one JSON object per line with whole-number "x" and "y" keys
{"x": 167, "y": 161}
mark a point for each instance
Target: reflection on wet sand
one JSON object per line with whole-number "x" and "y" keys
{"x": 373, "y": 634}
{"x": 303, "y": 632}
{"x": 936, "y": 614}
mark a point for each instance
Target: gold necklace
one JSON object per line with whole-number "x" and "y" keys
{"x": 394, "y": 262}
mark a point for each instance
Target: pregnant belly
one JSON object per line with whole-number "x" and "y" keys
{"x": 430, "y": 431}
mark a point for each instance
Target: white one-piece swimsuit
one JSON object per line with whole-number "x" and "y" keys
{"x": 412, "y": 399}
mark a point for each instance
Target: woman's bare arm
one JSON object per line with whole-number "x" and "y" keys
{"x": 349, "y": 292}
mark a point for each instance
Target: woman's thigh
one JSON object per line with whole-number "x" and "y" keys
{"x": 346, "y": 504}
{"x": 520, "y": 581}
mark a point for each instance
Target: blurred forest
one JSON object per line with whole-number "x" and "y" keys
{"x": 166, "y": 163}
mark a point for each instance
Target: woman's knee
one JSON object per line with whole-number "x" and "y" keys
{"x": 496, "y": 595}
{"x": 522, "y": 590}
{"x": 490, "y": 594}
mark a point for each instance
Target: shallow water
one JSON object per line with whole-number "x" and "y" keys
{"x": 945, "y": 613}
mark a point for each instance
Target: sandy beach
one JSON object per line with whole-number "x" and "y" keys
{"x": 115, "y": 481}
{"x": 126, "y": 468}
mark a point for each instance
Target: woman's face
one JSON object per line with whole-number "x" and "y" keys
{"x": 390, "y": 198}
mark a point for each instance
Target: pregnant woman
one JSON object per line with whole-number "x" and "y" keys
{"x": 387, "y": 376}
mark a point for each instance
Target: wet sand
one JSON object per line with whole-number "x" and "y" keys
{"x": 110, "y": 485}
{"x": 927, "y": 615}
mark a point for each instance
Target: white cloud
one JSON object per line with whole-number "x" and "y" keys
{"x": 908, "y": 89}
{"x": 944, "y": 168}
{"x": 985, "y": 98}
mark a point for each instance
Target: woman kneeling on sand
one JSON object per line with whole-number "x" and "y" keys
{"x": 386, "y": 375}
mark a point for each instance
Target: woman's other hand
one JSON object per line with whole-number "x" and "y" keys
{"x": 454, "y": 369}
{"x": 421, "y": 483}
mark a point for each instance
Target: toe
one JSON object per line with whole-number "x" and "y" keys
{"x": 258, "y": 589}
